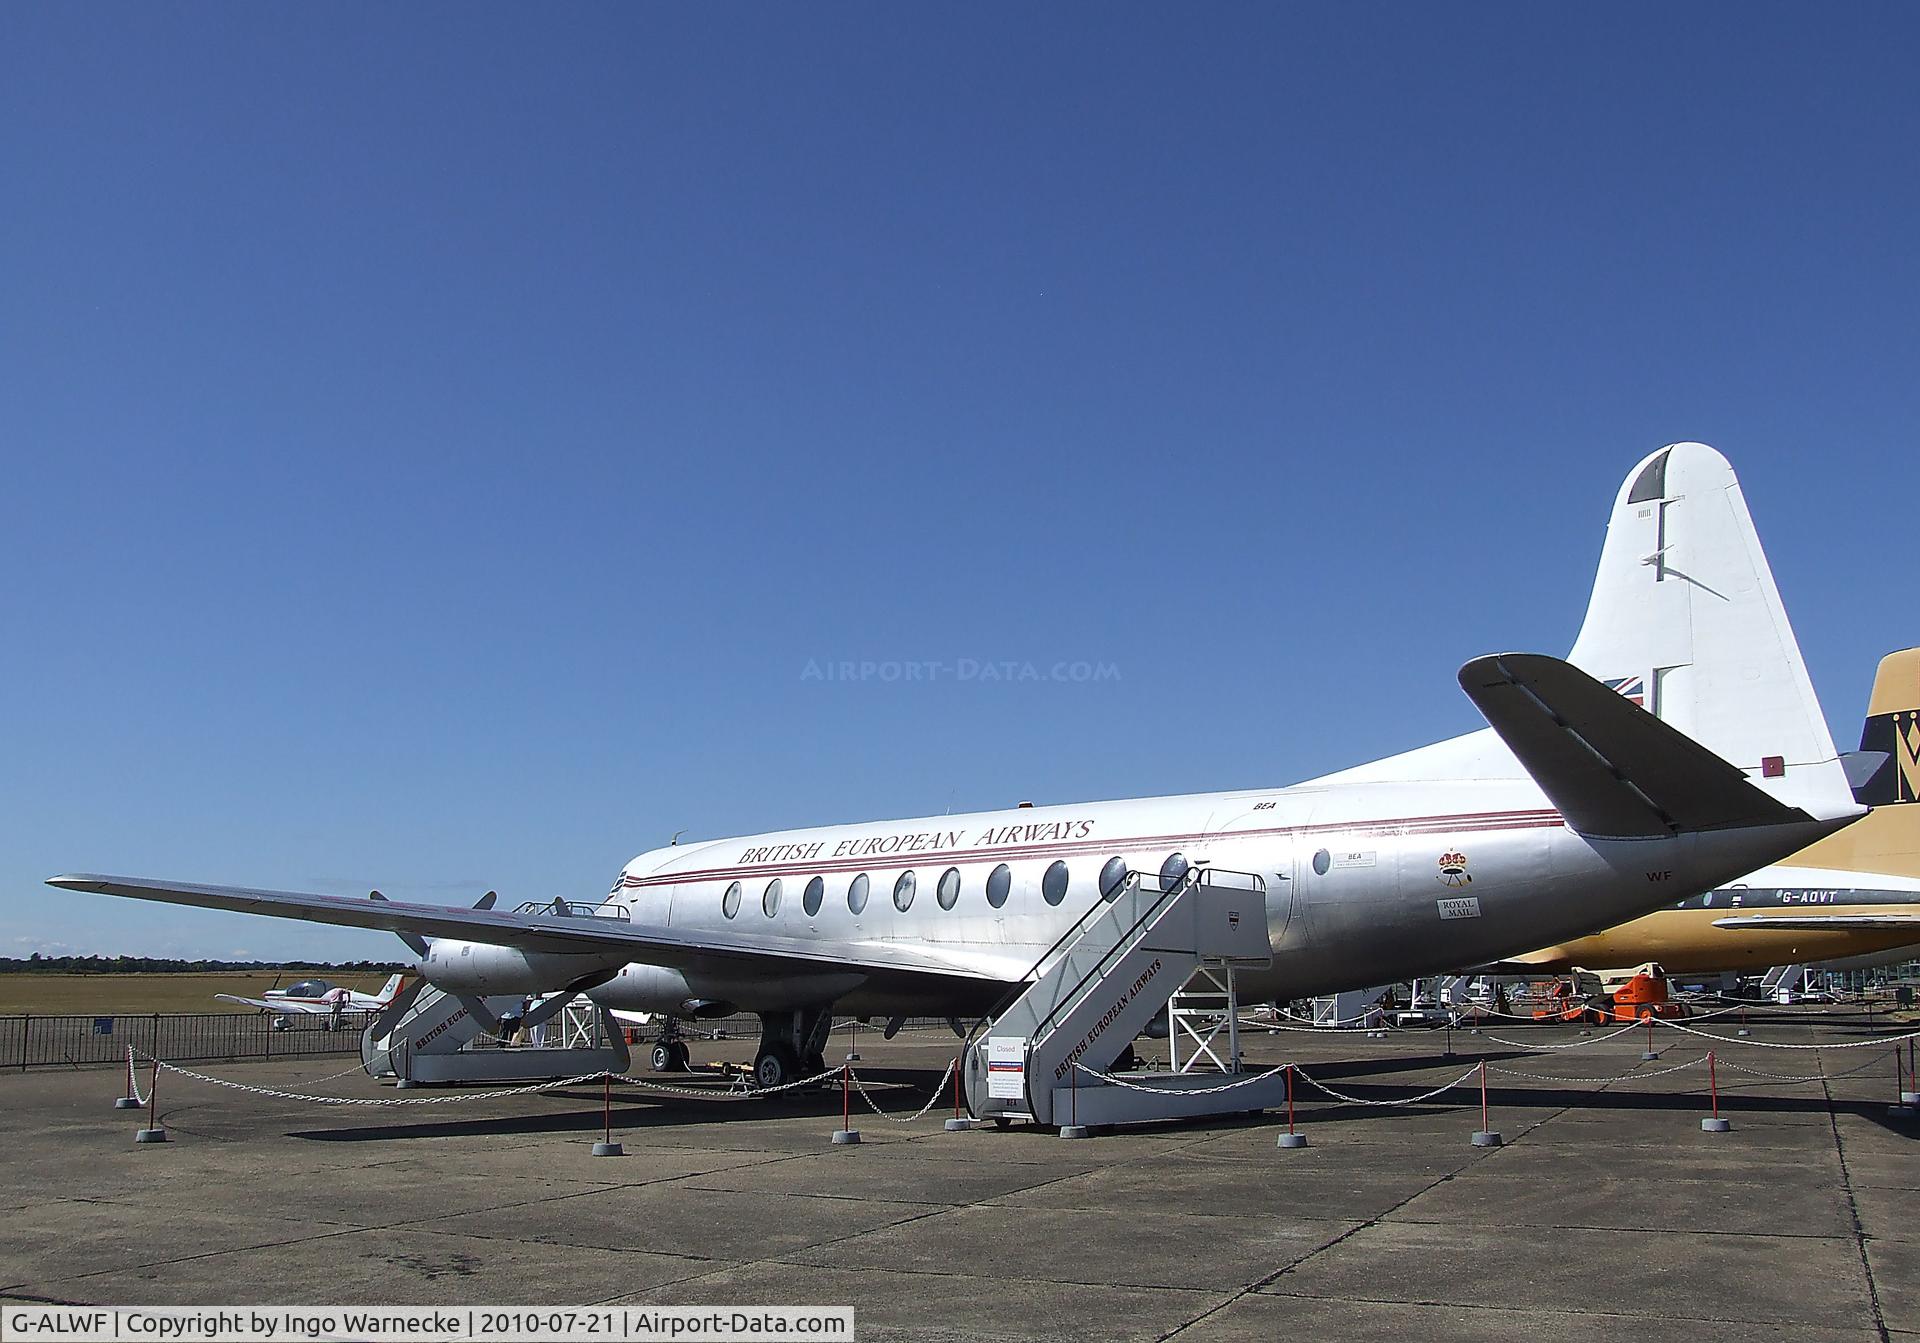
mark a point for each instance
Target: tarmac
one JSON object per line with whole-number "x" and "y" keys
{"x": 1607, "y": 1212}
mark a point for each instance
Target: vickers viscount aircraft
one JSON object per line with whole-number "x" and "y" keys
{"x": 1576, "y": 809}
{"x": 1853, "y": 896}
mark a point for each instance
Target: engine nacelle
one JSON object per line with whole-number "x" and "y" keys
{"x": 482, "y": 968}
{"x": 682, "y": 993}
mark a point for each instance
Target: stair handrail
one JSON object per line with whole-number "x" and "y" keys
{"x": 1197, "y": 875}
{"x": 1033, "y": 975}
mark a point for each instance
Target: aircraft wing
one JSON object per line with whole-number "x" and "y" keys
{"x": 1820, "y": 922}
{"x": 282, "y": 1006}
{"x": 654, "y": 944}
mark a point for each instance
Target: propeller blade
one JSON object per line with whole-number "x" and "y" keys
{"x": 415, "y": 943}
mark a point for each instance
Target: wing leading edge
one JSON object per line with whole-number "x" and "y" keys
{"x": 653, "y": 944}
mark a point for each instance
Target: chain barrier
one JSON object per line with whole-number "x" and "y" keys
{"x": 1318, "y": 1085}
{"x": 1571, "y": 1044}
{"x": 939, "y": 1091}
{"x": 133, "y": 1079}
{"x": 1775, "y": 1044}
{"x": 495, "y": 1094}
{"x": 1782, "y": 1077}
{"x": 1599, "y": 1081}
{"x": 1122, "y": 1082}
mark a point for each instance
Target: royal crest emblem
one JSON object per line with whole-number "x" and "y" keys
{"x": 1453, "y": 868}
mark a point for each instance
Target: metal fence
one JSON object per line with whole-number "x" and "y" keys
{"x": 63, "y": 1041}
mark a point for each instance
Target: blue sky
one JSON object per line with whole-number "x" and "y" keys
{"x": 437, "y": 440}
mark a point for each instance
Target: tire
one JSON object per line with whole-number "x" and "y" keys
{"x": 662, "y": 1059}
{"x": 682, "y": 1058}
{"x": 1001, "y": 1121}
{"x": 775, "y": 1067}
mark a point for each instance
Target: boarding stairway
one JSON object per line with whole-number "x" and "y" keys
{"x": 427, "y": 1035}
{"x": 1045, "y": 1054}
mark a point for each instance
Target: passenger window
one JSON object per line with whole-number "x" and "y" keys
{"x": 857, "y": 893}
{"x": 771, "y": 900}
{"x": 903, "y": 892}
{"x": 999, "y": 882}
{"x": 730, "y": 902}
{"x": 949, "y": 890}
{"x": 1112, "y": 877}
{"x": 816, "y": 891}
{"x": 1172, "y": 870}
{"x": 1053, "y": 886}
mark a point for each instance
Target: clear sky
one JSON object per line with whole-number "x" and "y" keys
{"x": 439, "y": 438}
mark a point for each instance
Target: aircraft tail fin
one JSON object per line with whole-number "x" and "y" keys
{"x": 391, "y": 987}
{"x": 1886, "y": 773}
{"x": 1685, "y": 621}
{"x": 1612, "y": 769}
{"x": 1889, "y": 754}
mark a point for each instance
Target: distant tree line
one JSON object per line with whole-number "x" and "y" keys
{"x": 158, "y": 965}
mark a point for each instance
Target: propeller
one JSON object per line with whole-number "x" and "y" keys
{"x": 415, "y": 943}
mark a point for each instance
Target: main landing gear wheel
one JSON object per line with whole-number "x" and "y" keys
{"x": 670, "y": 1056}
{"x": 776, "y": 1066}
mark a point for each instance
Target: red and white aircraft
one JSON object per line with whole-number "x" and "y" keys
{"x": 313, "y": 996}
{"x": 1575, "y": 810}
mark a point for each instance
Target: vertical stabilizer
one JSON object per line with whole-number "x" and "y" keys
{"x": 1685, "y": 621}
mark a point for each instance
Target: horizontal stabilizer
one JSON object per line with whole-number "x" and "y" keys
{"x": 1613, "y": 769}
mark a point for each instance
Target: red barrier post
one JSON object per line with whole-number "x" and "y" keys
{"x": 1714, "y": 1123}
{"x": 847, "y": 1134}
{"x": 1486, "y": 1137}
{"x": 1291, "y": 1139}
{"x": 607, "y": 1146}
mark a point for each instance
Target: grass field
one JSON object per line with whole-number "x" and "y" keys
{"x": 91, "y": 995}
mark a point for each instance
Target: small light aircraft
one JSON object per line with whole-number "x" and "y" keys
{"x": 1576, "y": 809}
{"x": 317, "y": 997}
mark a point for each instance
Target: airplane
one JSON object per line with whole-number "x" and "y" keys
{"x": 1852, "y": 897}
{"x": 1575, "y": 809}
{"x": 317, "y": 996}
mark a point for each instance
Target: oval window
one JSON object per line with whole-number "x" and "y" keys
{"x": 730, "y": 902}
{"x": 949, "y": 889}
{"x": 1113, "y": 877}
{"x": 999, "y": 882}
{"x": 1322, "y": 860}
{"x": 816, "y": 891}
{"x": 1053, "y": 886}
{"x": 903, "y": 892}
{"x": 771, "y": 900}
{"x": 857, "y": 893}
{"x": 1172, "y": 870}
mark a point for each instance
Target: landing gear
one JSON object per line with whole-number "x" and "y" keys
{"x": 776, "y": 1066}
{"x": 670, "y": 1056}
{"x": 792, "y": 1046}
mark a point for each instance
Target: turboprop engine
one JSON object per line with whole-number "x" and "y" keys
{"x": 482, "y": 968}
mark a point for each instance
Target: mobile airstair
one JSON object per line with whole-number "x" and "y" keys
{"x": 1045, "y": 1056}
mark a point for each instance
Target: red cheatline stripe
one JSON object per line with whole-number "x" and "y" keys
{"x": 1476, "y": 822}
